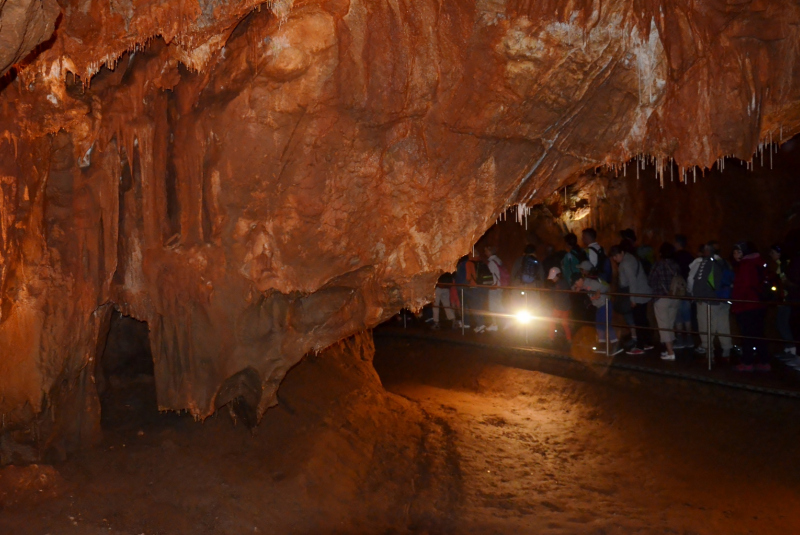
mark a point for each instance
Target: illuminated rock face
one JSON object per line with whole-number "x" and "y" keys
{"x": 258, "y": 182}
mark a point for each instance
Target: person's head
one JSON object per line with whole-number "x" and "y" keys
{"x": 680, "y": 242}
{"x": 554, "y": 275}
{"x": 628, "y": 234}
{"x": 750, "y": 248}
{"x": 586, "y": 267}
{"x": 530, "y": 249}
{"x": 737, "y": 252}
{"x": 490, "y": 250}
{"x": 775, "y": 252}
{"x": 577, "y": 281}
{"x": 715, "y": 247}
{"x": 616, "y": 253}
{"x": 706, "y": 251}
{"x": 571, "y": 240}
{"x": 588, "y": 236}
{"x": 666, "y": 251}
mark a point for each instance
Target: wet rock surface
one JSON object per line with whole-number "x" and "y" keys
{"x": 260, "y": 181}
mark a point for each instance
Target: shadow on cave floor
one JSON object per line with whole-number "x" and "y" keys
{"x": 125, "y": 379}
{"x": 461, "y": 443}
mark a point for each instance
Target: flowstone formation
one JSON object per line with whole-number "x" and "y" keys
{"x": 260, "y": 180}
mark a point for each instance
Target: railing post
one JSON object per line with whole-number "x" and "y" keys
{"x": 463, "y": 317}
{"x": 608, "y": 330}
{"x": 527, "y": 312}
{"x": 404, "y": 318}
{"x": 710, "y": 347}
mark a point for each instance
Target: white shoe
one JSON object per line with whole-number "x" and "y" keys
{"x": 668, "y": 357}
{"x": 480, "y": 328}
{"x": 700, "y": 350}
{"x": 491, "y": 328}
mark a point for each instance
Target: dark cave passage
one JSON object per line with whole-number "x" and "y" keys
{"x": 127, "y": 387}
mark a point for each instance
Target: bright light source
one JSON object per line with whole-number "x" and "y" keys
{"x": 522, "y": 293}
{"x": 523, "y": 316}
{"x": 774, "y": 289}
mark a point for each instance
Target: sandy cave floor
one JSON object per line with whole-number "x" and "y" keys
{"x": 466, "y": 445}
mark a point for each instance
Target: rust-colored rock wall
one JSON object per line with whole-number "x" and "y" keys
{"x": 260, "y": 181}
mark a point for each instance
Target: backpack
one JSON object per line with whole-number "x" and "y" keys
{"x": 530, "y": 269}
{"x": 603, "y": 269}
{"x": 505, "y": 276}
{"x": 678, "y": 286}
{"x": 483, "y": 275}
{"x": 725, "y": 285}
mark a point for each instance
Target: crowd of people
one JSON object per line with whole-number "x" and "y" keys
{"x": 648, "y": 288}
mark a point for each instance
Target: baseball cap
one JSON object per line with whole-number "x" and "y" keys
{"x": 554, "y": 272}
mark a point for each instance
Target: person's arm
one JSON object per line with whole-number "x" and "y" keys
{"x": 592, "y": 254}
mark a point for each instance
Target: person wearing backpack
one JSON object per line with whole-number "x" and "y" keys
{"x": 749, "y": 285}
{"x": 500, "y": 278}
{"x": 573, "y": 257}
{"x": 666, "y": 281}
{"x": 528, "y": 270}
{"x": 601, "y": 264}
{"x": 724, "y": 290}
{"x": 779, "y": 281}
{"x": 474, "y": 296}
{"x": 632, "y": 279}
{"x": 706, "y": 280}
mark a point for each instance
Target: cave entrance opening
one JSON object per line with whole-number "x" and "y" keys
{"x": 125, "y": 375}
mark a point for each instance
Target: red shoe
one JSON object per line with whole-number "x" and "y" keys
{"x": 743, "y": 368}
{"x": 763, "y": 368}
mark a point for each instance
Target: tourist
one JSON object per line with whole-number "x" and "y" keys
{"x": 474, "y": 295}
{"x": 751, "y": 316}
{"x": 496, "y": 293}
{"x": 778, "y": 281}
{"x": 724, "y": 290}
{"x": 573, "y": 257}
{"x": 561, "y": 304}
{"x": 632, "y": 279}
{"x": 442, "y": 297}
{"x": 665, "y": 280}
{"x": 683, "y": 318}
{"x": 707, "y": 273}
{"x": 528, "y": 270}
{"x": 597, "y": 289}
{"x": 596, "y": 255}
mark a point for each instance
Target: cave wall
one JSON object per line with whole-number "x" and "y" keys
{"x": 257, "y": 181}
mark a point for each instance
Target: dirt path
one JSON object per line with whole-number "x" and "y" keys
{"x": 545, "y": 454}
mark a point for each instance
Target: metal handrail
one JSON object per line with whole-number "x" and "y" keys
{"x": 616, "y": 294}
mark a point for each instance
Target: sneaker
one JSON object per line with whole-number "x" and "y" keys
{"x": 491, "y": 328}
{"x": 435, "y": 327}
{"x": 794, "y": 363}
{"x": 648, "y": 347}
{"x": 700, "y": 350}
{"x": 635, "y": 352}
{"x": 678, "y": 344}
{"x": 664, "y": 354}
{"x": 480, "y": 328}
{"x": 763, "y": 368}
{"x": 464, "y": 325}
{"x": 668, "y": 357}
{"x": 457, "y": 324}
{"x": 616, "y": 349}
{"x": 743, "y": 368}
